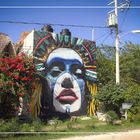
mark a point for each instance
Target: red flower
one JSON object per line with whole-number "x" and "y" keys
{"x": 9, "y": 73}
{"x": 10, "y": 84}
{"x": 6, "y": 90}
{"x": 19, "y": 66}
{"x": 16, "y": 77}
{"x": 1, "y": 84}
{"x": 12, "y": 66}
{"x": 29, "y": 110}
{"x": 20, "y": 94}
{"x": 24, "y": 79}
{"x": 3, "y": 69}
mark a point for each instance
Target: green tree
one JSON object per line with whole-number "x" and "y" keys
{"x": 105, "y": 65}
{"x": 111, "y": 96}
{"x": 130, "y": 63}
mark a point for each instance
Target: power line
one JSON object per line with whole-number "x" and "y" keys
{"x": 123, "y": 20}
{"x": 101, "y": 36}
{"x": 105, "y": 38}
{"x": 64, "y": 7}
{"x": 128, "y": 4}
{"x": 39, "y": 23}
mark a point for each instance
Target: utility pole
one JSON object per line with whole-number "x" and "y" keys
{"x": 117, "y": 45}
{"x": 113, "y": 23}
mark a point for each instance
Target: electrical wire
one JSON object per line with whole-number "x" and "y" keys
{"x": 105, "y": 38}
{"x": 101, "y": 36}
{"x": 124, "y": 19}
{"x": 39, "y": 23}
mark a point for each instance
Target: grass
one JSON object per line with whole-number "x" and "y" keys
{"x": 43, "y": 131}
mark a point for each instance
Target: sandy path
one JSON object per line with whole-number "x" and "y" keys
{"x": 130, "y": 135}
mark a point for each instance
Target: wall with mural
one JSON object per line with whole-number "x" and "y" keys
{"x": 67, "y": 67}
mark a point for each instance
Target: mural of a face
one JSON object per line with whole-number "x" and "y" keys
{"x": 64, "y": 73}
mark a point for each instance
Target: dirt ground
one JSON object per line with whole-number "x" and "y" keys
{"x": 130, "y": 135}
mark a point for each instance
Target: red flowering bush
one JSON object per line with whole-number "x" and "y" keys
{"x": 16, "y": 76}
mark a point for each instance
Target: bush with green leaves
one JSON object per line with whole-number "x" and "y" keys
{"x": 111, "y": 116}
{"x": 17, "y": 74}
{"x": 130, "y": 63}
{"x": 105, "y": 64}
{"x": 111, "y": 97}
{"x": 25, "y": 127}
{"x": 9, "y": 126}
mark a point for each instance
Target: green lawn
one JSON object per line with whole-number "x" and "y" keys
{"x": 44, "y": 131}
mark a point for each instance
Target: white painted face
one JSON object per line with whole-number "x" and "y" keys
{"x": 65, "y": 76}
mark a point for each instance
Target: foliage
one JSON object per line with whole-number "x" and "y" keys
{"x": 130, "y": 63}
{"x": 132, "y": 94}
{"x": 36, "y": 125}
{"x": 25, "y": 127}
{"x": 9, "y": 126}
{"x": 133, "y": 117}
{"x": 111, "y": 116}
{"x": 8, "y": 106}
{"x": 105, "y": 65}
{"x": 57, "y": 122}
{"x": 111, "y": 96}
{"x": 16, "y": 76}
{"x": 69, "y": 124}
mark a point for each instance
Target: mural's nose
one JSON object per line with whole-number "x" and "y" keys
{"x": 67, "y": 83}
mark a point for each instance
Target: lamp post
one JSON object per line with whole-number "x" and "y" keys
{"x": 92, "y": 33}
{"x": 132, "y": 31}
{"x": 135, "y": 31}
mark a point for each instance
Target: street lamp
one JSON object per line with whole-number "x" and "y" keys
{"x": 135, "y": 31}
{"x": 132, "y": 31}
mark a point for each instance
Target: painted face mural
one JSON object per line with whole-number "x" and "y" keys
{"x": 66, "y": 79}
{"x": 68, "y": 66}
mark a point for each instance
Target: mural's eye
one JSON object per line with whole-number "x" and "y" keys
{"x": 55, "y": 68}
{"x": 55, "y": 71}
{"x": 79, "y": 73}
{"x": 77, "y": 70}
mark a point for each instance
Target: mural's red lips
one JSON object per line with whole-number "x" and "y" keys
{"x": 67, "y": 96}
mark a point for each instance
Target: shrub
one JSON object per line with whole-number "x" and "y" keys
{"x": 25, "y": 127}
{"x": 36, "y": 126}
{"x": 111, "y": 116}
{"x": 16, "y": 76}
{"x": 111, "y": 97}
{"x": 69, "y": 124}
{"x": 9, "y": 126}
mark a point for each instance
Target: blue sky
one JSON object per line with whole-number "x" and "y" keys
{"x": 128, "y": 20}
